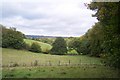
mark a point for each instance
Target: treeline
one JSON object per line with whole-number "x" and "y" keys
{"x": 106, "y": 33}
{"x": 103, "y": 39}
{"x": 11, "y": 38}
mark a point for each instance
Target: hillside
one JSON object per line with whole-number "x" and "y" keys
{"x": 44, "y": 46}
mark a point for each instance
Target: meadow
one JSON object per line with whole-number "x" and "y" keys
{"x": 80, "y": 66}
{"x": 26, "y": 57}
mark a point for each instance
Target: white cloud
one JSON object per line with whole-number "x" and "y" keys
{"x": 48, "y": 17}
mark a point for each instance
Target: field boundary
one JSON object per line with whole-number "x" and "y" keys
{"x": 52, "y": 65}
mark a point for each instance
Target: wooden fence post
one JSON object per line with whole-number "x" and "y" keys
{"x": 59, "y": 63}
{"x": 36, "y": 63}
{"x": 80, "y": 62}
{"x": 69, "y": 62}
{"x": 50, "y": 63}
{"x": 31, "y": 64}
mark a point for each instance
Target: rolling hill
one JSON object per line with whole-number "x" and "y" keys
{"x": 44, "y": 46}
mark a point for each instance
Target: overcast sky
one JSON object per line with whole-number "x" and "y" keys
{"x": 48, "y": 17}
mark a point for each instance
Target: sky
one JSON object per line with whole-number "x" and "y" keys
{"x": 48, "y": 17}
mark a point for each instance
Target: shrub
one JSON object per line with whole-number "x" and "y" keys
{"x": 46, "y": 51}
{"x": 35, "y": 47}
{"x": 72, "y": 52}
{"x": 26, "y": 46}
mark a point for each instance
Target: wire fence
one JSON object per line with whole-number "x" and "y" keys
{"x": 37, "y": 63}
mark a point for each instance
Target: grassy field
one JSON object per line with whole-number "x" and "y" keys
{"x": 61, "y": 72}
{"x": 43, "y": 70}
{"x": 44, "y": 46}
{"x": 27, "y": 57}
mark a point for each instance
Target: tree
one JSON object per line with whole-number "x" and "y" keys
{"x": 12, "y": 38}
{"x": 35, "y": 47}
{"x": 95, "y": 37}
{"x": 75, "y": 43}
{"x": 108, "y": 16}
{"x": 59, "y": 46}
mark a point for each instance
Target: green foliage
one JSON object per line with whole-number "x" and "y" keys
{"x": 26, "y": 46}
{"x": 12, "y": 38}
{"x": 107, "y": 15}
{"x": 59, "y": 46}
{"x": 95, "y": 38}
{"x": 106, "y": 12}
{"x": 74, "y": 43}
{"x": 35, "y": 47}
{"x": 84, "y": 47}
{"x": 81, "y": 45}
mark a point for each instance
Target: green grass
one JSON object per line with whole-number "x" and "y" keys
{"x": 54, "y": 71}
{"x": 44, "y": 46}
{"x": 61, "y": 72}
{"x": 22, "y": 56}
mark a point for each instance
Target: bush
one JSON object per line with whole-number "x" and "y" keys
{"x": 35, "y": 47}
{"x": 46, "y": 51}
{"x": 72, "y": 52}
{"x": 26, "y": 46}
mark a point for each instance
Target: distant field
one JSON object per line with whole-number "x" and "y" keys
{"x": 44, "y": 46}
{"x": 43, "y": 70}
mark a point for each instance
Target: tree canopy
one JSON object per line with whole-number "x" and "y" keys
{"x": 59, "y": 46}
{"x": 104, "y": 36}
{"x": 12, "y": 38}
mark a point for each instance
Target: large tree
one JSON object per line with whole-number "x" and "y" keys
{"x": 12, "y": 38}
{"x": 59, "y": 46}
{"x": 107, "y": 14}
